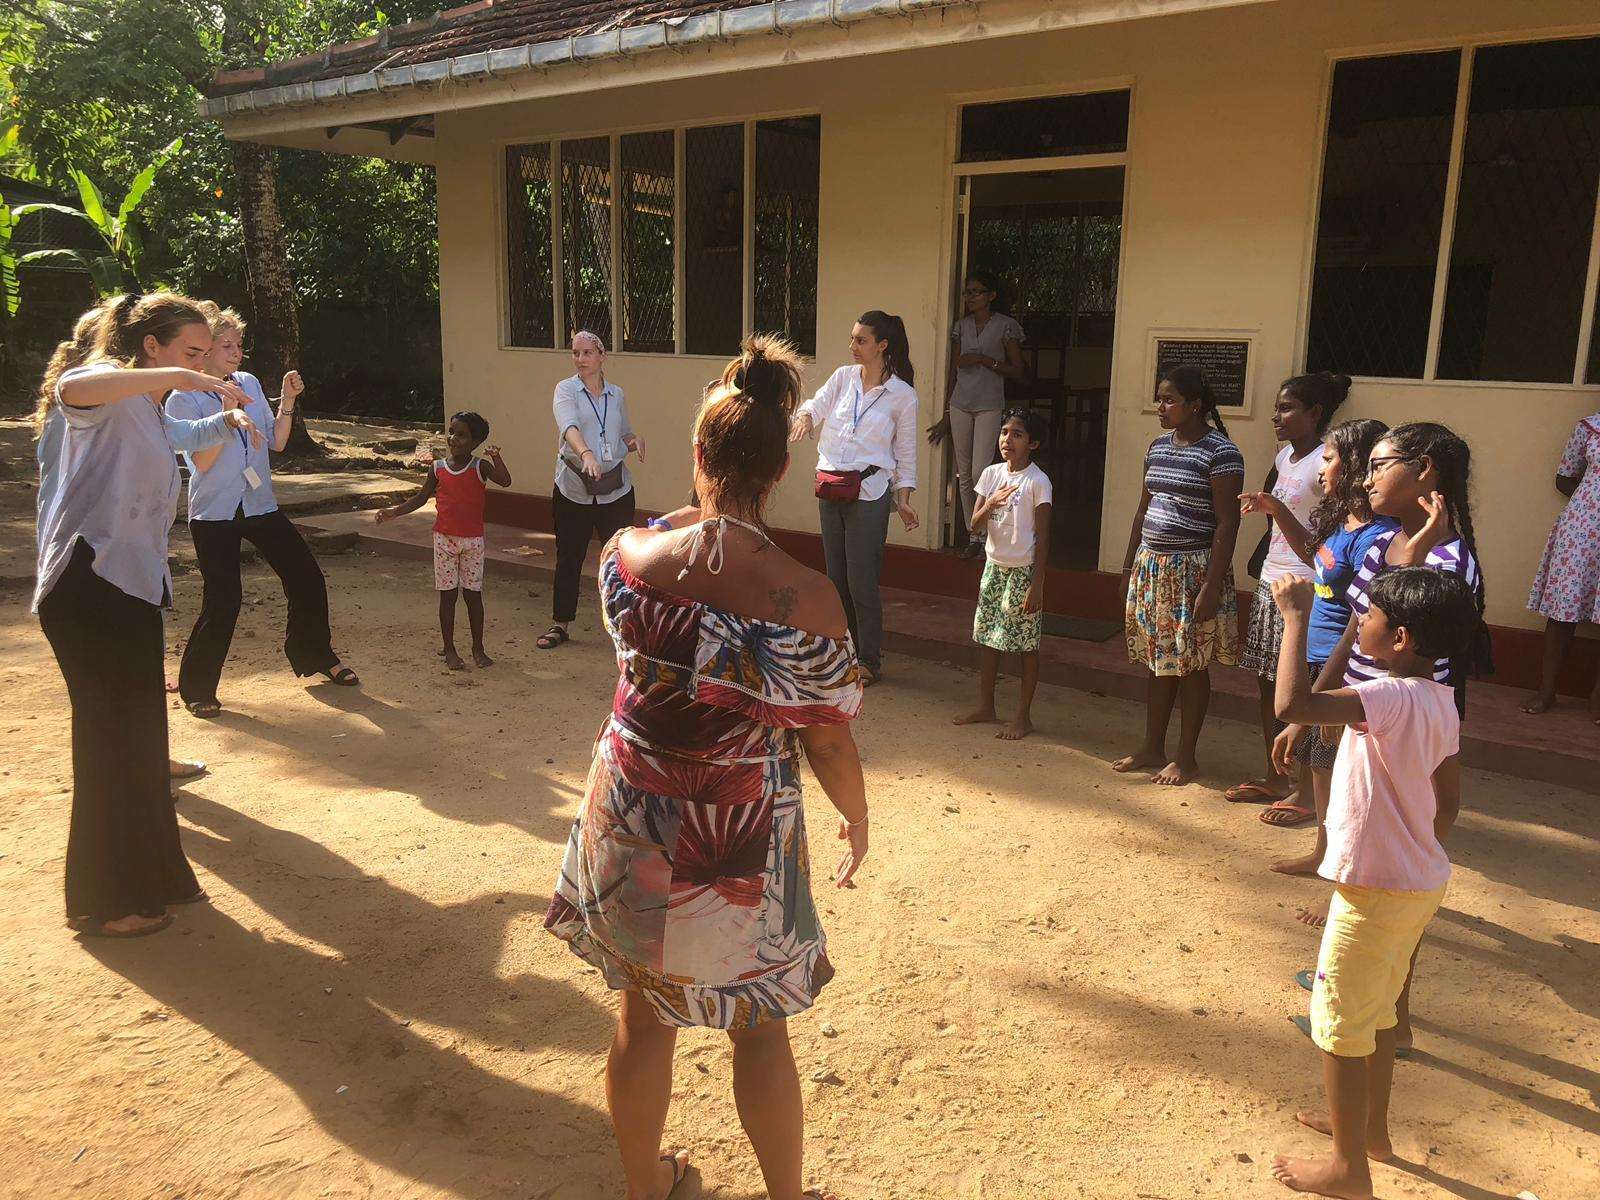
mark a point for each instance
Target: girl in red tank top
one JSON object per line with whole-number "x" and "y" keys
{"x": 458, "y": 484}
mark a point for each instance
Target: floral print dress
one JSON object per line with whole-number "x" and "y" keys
{"x": 686, "y": 877}
{"x": 1567, "y": 587}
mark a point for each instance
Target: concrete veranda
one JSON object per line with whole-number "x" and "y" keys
{"x": 1052, "y": 981}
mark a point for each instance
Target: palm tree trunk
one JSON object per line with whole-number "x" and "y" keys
{"x": 276, "y": 325}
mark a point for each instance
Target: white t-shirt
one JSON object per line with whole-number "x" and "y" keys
{"x": 1299, "y": 487}
{"x": 1011, "y": 526}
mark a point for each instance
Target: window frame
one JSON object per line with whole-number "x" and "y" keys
{"x": 615, "y": 135}
{"x": 1588, "y": 327}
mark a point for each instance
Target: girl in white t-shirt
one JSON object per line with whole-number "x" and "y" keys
{"x": 1300, "y": 418}
{"x": 1013, "y": 510}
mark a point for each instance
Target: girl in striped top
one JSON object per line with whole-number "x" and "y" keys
{"x": 1418, "y": 474}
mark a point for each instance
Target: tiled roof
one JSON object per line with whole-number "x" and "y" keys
{"x": 486, "y": 25}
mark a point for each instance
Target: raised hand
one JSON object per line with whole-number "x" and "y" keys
{"x": 1293, "y": 595}
{"x": 1437, "y": 529}
{"x": 293, "y": 385}
{"x": 1257, "y": 502}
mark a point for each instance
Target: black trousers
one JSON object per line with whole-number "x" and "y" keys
{"x": 575, "y": 525}
{"x": 308, "y": 642}
{"x": 123, "y": 853}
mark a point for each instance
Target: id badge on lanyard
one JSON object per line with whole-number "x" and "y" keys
{"x": 849, "y": 430}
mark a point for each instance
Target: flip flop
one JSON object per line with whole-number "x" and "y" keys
{"x": 1306, "y": 979}
{"x": 1287, "y": 816}
{"x": 343, "y": 676}
{"x": 95, "y": 928}
{"x": 204, "y": 709}
{"x": 188, "y": 770}
{"x": 553, "y": 637}
{"x": 1250, "y": 793}
{"x": 678, "y": 1176}
{"x": 1303, "y": 1024}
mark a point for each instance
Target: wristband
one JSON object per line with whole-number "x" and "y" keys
{"x": 857, "y": 824}
{"x": 658, "y": 523}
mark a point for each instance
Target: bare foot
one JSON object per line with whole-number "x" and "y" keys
{"x": 453, "y": 660}
{"x": 978, "y": 716}
{"x": 1311, "y": 917}
{"x": 482, "y": 659}
{"x": 1539, "y": 704}
{"x": 1324, "y": 1177}
{"x": 1142, "y": 761}
{"x": 1016, "y": 731}
{"x": 1378, "y": 1148}
{"x": 1176, "y": 774}
{"x": 1306, "y": 864}
{"x": 670, "y": 1172}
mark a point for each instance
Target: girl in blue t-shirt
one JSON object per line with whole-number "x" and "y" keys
{"x": 1343, "y": 529}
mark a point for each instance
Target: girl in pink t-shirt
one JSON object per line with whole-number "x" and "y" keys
{"x": 1396, "y": 792}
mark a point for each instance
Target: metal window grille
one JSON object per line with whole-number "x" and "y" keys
{"x": 647, "y": 163}
{"x": 787, "y": 187}
{"x": 529, "y": 277}
{"x": 713, "y": 192}
{"x": 586, "y": 271}
{"x": 1526, "y": 205}
{"x": 1383, "y": 188}
{"x": 1093, "y": 123}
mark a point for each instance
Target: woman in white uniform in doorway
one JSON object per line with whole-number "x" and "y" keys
{"x": 987, "y": 352}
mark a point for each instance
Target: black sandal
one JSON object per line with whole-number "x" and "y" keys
{"x": 680, "y": 1170}
{"x": 96, "y": 928}
{"x": 553, "y": 637}
{"x": 343, "y": 676}
{"x": 204, "y": 709}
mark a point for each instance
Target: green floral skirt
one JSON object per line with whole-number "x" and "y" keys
{"x": 1001, "y": 622}
{"x": 1162, "y": 632}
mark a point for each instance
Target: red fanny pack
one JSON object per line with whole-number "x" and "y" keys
{"x": 841, "y": 485}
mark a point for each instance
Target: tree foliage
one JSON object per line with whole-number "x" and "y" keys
{"x": 100, "y": 87}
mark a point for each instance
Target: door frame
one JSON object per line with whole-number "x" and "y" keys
{"x": 961, "y": 175}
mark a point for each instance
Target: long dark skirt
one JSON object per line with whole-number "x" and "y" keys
{"x": 123, "y": 853}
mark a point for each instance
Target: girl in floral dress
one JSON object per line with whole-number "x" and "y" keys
{"x": 687, "y": 880}
{"x": 1567, "y": 588}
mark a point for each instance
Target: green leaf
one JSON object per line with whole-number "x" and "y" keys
{"x": 107, "y": 275}
{"x": 10, "y": 285}
{"x": 23, "y": 210}
{"x": 93, "y": 205}
{"x": 60, "y": 258}
{"x": 141, "y": 184}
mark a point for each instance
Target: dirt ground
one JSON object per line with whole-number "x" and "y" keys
{"x": 1052, "y": 981}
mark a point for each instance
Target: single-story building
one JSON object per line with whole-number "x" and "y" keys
{"x": 1402, "y": 192}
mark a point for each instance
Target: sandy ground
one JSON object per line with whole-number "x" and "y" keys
{"x": 1053, "y": 982}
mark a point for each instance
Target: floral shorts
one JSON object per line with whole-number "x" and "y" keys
{"x": 457, "y": 562}
{"x": 1001, "y": 622}
{"x": 1161, "y": 630}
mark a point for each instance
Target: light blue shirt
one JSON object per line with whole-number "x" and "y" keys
{"x": 218, "y": 493}
{"x": 603, "y": 422}
{"x": 115, "y": 485}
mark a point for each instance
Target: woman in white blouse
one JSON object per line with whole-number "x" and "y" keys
{"x": 593, "y": 492}
{"x": 987, "y": 352}
{"x": 866, "y": 419}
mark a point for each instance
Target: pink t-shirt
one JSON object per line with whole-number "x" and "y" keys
{"x": 1380, "y": 814}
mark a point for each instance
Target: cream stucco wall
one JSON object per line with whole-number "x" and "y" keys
{"x": 1225, "y": 143}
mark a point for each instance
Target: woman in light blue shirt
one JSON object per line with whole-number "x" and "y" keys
{"x": 230, "y": 502}
{"x": 593, "y": 493}
{"x": 102, "y": 582}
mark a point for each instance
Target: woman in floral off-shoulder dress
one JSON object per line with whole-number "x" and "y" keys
{"x": 686, "y": 879}
{"x": 1567, "y": 588}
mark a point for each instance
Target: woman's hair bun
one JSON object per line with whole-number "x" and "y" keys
{"x": 767, "y": 371}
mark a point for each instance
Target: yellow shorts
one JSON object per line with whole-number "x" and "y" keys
{"x": 1361, "y": 969}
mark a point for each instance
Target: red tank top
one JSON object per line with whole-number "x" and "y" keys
{"x": 459, "y": 497}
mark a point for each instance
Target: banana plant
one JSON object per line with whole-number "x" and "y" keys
{"x": 122, "y": 265}
{"x": 10, "y": 288}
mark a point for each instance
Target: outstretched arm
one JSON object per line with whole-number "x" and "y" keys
{"x": 424, "y": 494}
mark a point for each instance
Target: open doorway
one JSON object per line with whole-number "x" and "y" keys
{"x": 1053, "y": 238}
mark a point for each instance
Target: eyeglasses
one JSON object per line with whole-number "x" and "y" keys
{"x": 1377, "y": 465}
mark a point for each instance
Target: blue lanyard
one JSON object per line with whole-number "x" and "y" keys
{"x": 244, "y": 439}
{"x": 601, "y": 415}
{"x": 855, "y": 402}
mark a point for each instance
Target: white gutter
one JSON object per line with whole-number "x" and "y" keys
{"x": 677, "y": 33}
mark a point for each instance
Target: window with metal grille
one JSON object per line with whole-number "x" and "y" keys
{"x": 586, "y": 235}
{"x": 648, "y": 249}
{"x": 713, "y": 193}
{"x": 1525, "y": 214}
{"x": 1048, "y": 127}
{"x": 1383, "y": 187}
{"x": 787, "y": 183}
{"x": 529, "y": 278}
{"x": 1488, "y": 279}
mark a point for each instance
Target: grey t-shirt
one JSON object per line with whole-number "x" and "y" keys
{"x": 978, "y": 389}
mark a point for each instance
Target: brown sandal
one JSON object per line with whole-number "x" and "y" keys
{"x": 1283, "y": 815}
